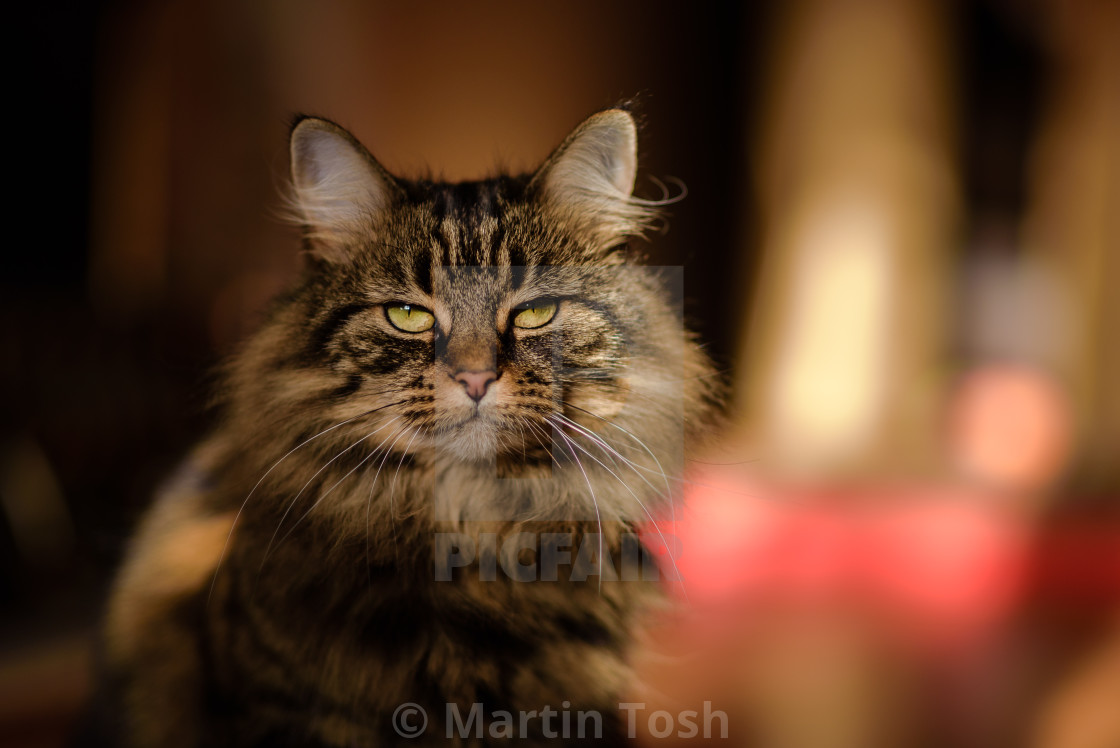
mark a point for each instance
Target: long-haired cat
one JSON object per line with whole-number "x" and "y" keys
{"x": 428, "y": 467}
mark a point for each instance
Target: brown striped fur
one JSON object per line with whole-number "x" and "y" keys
{"x": 282, "y": 592}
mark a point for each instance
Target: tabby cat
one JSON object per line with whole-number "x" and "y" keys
{"x": 465, "y": 374}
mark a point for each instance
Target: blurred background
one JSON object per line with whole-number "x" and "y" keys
{"x": 901, "y": 243}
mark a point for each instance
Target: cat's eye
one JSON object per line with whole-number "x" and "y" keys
{"x": 534, "y": 314}
{"x": 409, "y": 317}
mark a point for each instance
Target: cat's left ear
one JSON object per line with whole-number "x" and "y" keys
{"x": 340, "y": 191}
{"x": 589, "y": 179}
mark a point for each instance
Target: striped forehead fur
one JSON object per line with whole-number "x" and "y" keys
{"x": 341, "y": 195}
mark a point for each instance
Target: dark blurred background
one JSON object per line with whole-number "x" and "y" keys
{"x": 900, "y": 242}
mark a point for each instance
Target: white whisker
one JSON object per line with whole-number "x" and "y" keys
{"x": 292, "y": 504}
{"x": 668, "y": 491}
{"x": 594, "y": 501}
{"x": 653, "y": 521}
{"x": 237, "y": 517}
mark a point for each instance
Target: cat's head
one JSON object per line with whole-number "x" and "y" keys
{"x": 490, "y": 321}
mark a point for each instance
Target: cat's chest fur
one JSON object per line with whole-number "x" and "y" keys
{"x": 374, "y": 626}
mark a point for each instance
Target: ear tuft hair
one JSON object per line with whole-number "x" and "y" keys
{"x": 589, "y": 179}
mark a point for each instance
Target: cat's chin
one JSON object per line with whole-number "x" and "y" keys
{"x": 474, "y": 440}
{"x": 484, "y": 441}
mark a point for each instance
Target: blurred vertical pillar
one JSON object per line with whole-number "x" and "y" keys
{"x": 130, "y": 196}
{"x": 1072, "y": 226}
{"x": 859, "y": 208}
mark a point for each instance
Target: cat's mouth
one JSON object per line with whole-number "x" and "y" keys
{"x": 482, "y": 434}
{"x": 469, "y": 418}
{"x": 473, "y": 415}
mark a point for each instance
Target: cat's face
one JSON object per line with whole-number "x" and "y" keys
{"x": 479, "y": 315}
{"x": 486, "y": 322}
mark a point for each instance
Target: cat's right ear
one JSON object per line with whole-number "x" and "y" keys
{"x": 339, "y": 191}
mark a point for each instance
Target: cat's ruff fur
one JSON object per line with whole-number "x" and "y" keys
{"x": 281, "y": 591}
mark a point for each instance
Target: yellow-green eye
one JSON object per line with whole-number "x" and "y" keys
{"x": 537, "y": 314}
{"x": 409, "y": 318}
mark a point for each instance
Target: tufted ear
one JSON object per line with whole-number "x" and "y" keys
{"x": 589, "y": 178}
{"x": 339, "y": 191}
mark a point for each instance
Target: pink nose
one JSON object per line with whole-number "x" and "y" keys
{"x": 476, "y": 382}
